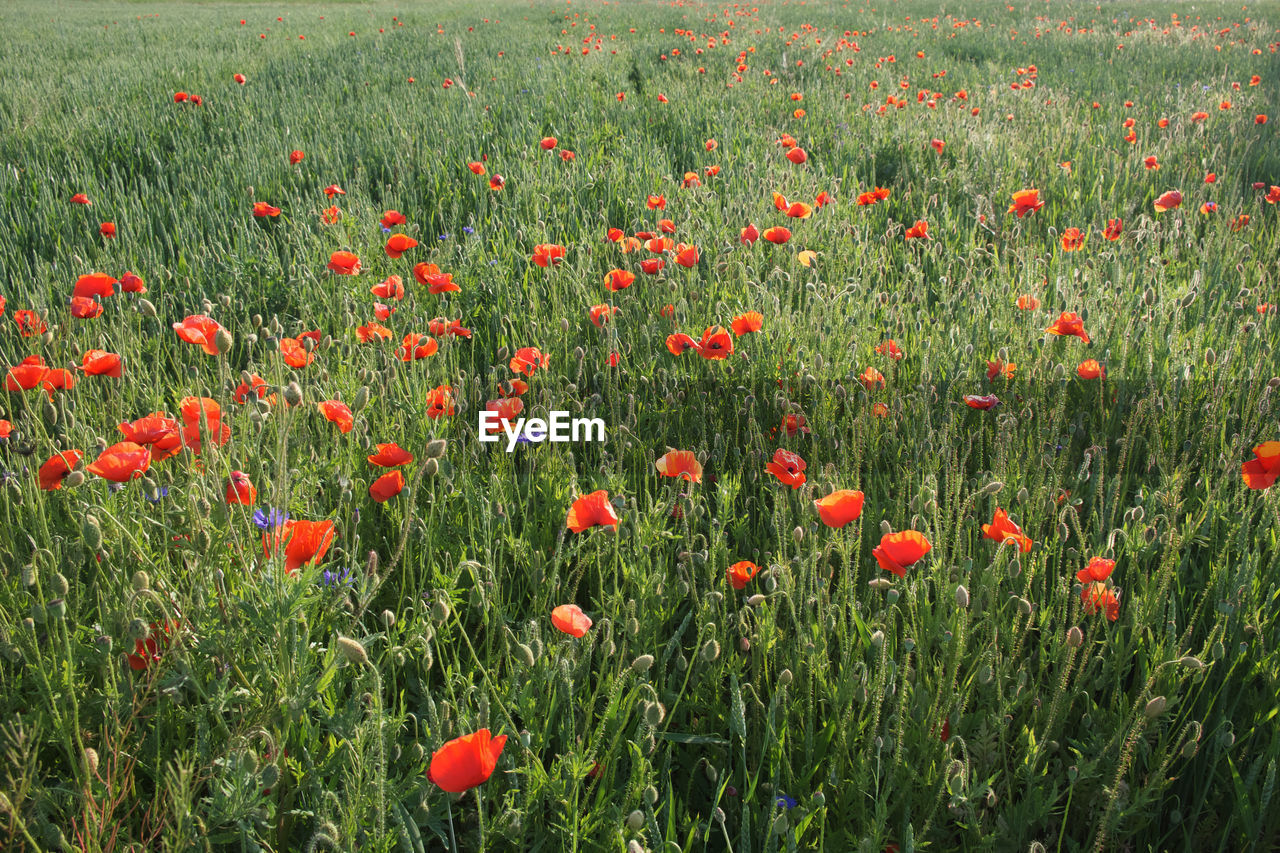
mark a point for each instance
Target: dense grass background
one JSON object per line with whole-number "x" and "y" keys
{"x": 252, "y": 732}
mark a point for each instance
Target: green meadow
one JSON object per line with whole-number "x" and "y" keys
{"x": 972, "y": 544}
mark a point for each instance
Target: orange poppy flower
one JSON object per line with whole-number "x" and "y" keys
{"x": 741, "y": 573}
{"x": 570, "y": 619}
{"x": 548, "y": 254}
{"x": 1001, "y": 529}
{"x": 439, "y": 402}
{"x": 1261, "y": 471}
{"x": 304, "y": 542}
{"x": 98, "y": 362}
{"x": 497, "y": 182}
{"x": 202, "y": 417}
{"x": 344, "y": 263}
{"x": 476, "y": 167}
{"x": 998, "y": 368}
{"x": 680, "y": 463}
{"x": 591, "y": 510}
{"x": 386, "y": 487}
{"x": 6, "y": 429}
{"x": 1099, "y": 597}
{"x": 1114, "y": 229}
{"x": 1091, "y": 369}
{"x": 528, "y": 359}
{"x": 899, "y": 551}
{"x": 777, "y": 235}
{"x": 415, "y": 346}
{"x": 331, "y": 215}
{"x": 1025, "y": 201}
{"x": 85, "y": 308}
{"x": 57, "y": 467}
{"x": 121, "y": 462}
{"x": 1027, "y": 302}
{"x": 295, "y": 354}
{"x": 398, "y": 244}
{"x": 788, "y": 467}
{"x": 744, "y": 324}
{"x": 680, "y": 343}
{"x": 715, "y": 344}
{"x": 658, "y": 245}
{"x": 797, "y": 156}
{"x": 617, "y": 279}
{"x": 465, "y": 762}
{"x": 199, "y": 330}
{"x": 442, "y": 327}
{"x": 871, "y": 379}
{"x": 256, "y": 385}
{"x": 656, "y": 202}
{"x": 824, "y": 198}
{"x": 81, "y": 198}
{"x": 1072, "y": 240}
{"x": 1272, "y": 196}
{"x": 918, "y": 231}
{"x": 338, "y": 413}
{"x": 391, "y": 218}
{"x": 686, "y": 255}
{"x": 94, "y": 284}
{"x": 799, "y": 210}
{"x": 1098, "y": 569}
{"x": 840, "y": 507}
{"x": 391, "y": 288}
{"x": 547, "y": 143}
{"x": 390, "y": 455}
{"x": 261, "y": 209}
{"x": 506, "y": 408}
{"x": 889, "y": 348}
{"x": 332, "y": 190}
{"x": 601, "y": 314}
{"x": 1168, "y": 201}
{"x": 747, "y": 236}
{"x": 1069, "y": 323}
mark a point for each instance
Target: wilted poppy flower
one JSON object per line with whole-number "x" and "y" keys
{"x": 57, "y": 467}
{"x": 840, "y": 507}
{"x": 132, "y": 283}
{"x": 94, "y": 284}
{"x": 1072, "y": 240}
{"x": 262, "y": 209}
{"x": 741, "y": 573}
{"x": 548, "y": 254}
{"x": 788, "y": 467}
{"x": 465, "y": 762}
{"x": 680, "y": 463}
{"x": 528, "y": 359}
{"x": 439, "y": 402}
{"x": 918, "y": 231}
{"x": 716, "y": 343}
{"x": 777, "y": 235}
{"x": 398, "y": 244}
{"x": 591, "y": 510}
{"x": 743, "y": 324}
{"x": 680, "y": 343}
{"x": 96, "y": 362}
{"x": 1025, "y": 201}
{"x": 1091, "y": 369}
{"x": 1027, "y": 302}
{"x": 889, "y": 348}
{"x": 1001, "y": 529}
{"x": 1099, "y": 597}
{"x": 386, "y": 487}
{"x": 1168, "y": 201}
{"x": 121, "y": 462}
{"x": 199, "y": 330}
{"x": 797, "y": 156}
{"x": 81, "y": 198}
{"x": 1069, "y": 323}
{"x": 980, "y": 401}
{"x": 338, "y": 413}
{"x": 1261, "y": 471}
{"x": 898, "y": 551}
{"x": 295, "y": 157}
{"x": 570, "y": 619}
{"x": 344, "y": 263}
{"x": 747, "y": 236}
{"x": 617, "y": 279}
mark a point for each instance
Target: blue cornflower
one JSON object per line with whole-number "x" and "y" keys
{"x": 163, "y": 492}
{"x": 468, "y": 230}
{"x": 336, "y": 578}
{"x": 386, "y": 230}
{"x": 787, "y": 802}
{"x": 444, "y": 236}
{"x": 270, "y": 519}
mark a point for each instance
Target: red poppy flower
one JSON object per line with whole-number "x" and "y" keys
{"x": 570, "y": 619}
{"x": 871, "y": 379}
{"x": 94, "y": 284}
{"x": 741, "y": 573}
{"x": 295, "y": 157}
{"x": 240, "y": 489}
{"x": 591, "y": 510}
{"x": 81, "y": 198}
{"x": 372, "y": 332}
{"x": 680, "y": 463}
{"x": 1114, "y": 229}
{"x": 476, "y": 168}
{"x": 338, "y": 413}
{"x": 1091, "y": 369}
{"x": 1099, "y": 597}
{"x": 898, "y": 551}
{"x": 85, "y": 308}
{"x": 547, "y": 143}
{"x": 1025, "y": 201}
{"x": 799, "y": 210}
{"x": 391, "y": 288}
{"x": 465, "y": 762}
{"x": 121, "y": 462}
{"x": 788, "y": 467}
{"x": 443, "y": 327}
{"x": 332, "y": 190}
{"x": 981, "y": 401}
{"x": 30, "y": 323}
{"x": 331, "y": 215}
{"x": 386, "y": 487}
{"x": 262, "y": 209}
{"x": 548, "y": 254}
{"x": 1027, "y": 302}
{"x": 601, "y": 314}
{"x": 304, "y": 542}
{"x": 747, "y": 236}
{"x": 256, "y": 385}
{"x": 716, "y": 343}
{"x": 652, "y": 266}
{"x": 439, "y": 402}
{"x": 686, "y": 255}
{"x": 199, "y": 330}
{"x": 743, "y": 324}
{"x": 506, "y": 408}
{"x": 918, "y": 231}
{"x": 840, "y": 507}
{"x": 132, "y": 283}
{"x": 1098, "y": 569}
{"x": 26, "y": 375}
{"x": 1168, "y": 201}
{"x": 295, "y": 353}
{"x": 1261, "y": 471}
{"x": 157, "y": 432}
{"x": 98, "y": 362}
{"x": 57, "y": 467}
{"x": 239, "y": 78}
{"x": 497, "y": 182}
{"x": 1069, "y": 323}
{"x": 527, "y": 360}
{"x": 777, "y": 235}
{"x": 616, "y": 279}
{"x": 398, "y": 244}
{"x": 656, "y": 202}
{"x": 680, "y": 343}
{"x": 797, "y": 156}
{"x": 1001, "y": 529}
{"x": 149, "y": 650}
{"x": 390, "y": 455}
{"x": 1072, "y": 240}
{"x": 201, "y": 418}
{"x": 344, "y": 263}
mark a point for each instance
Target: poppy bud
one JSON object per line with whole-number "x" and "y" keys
{"x": 1155, "y": 707}
{"x": 352, "y": 651}
{"x": 431, "y": 467}
{"x": 785, "y": 678}
{"x": 651, "y": 795}
{"x": 891, "y": 597}
{"x": 642, "y": 664}
{"x": 710, "y": 651}
{"x": 46, "y": 338}
{"x": 962, "y": 597}
{"x": 1059, "y": 372}
{"x": 57, "y": 609}
{"x": 744, "y": 645}
{"x": 440, "y": 611}
{"x": 435, "y": 448}
{"x": 885, "y": 528}
{"x": 877, "y": 639}
{"x": 293, "y": 393}
{"x": 654, "y": 713}
{"x": 526, "y": 654}
{"x": 91, "y": 533}
{"x": 138, "y": 630}
{"x": 388, "y": 619}
{"x": 755, "y": 600}
{"x": 1210, "y": 357}
{"x": 73, "y": 479}
{"x": 361, "y": 400}
{"x": 992, "y": 487}
{"x": 141, "y": 581}
{"x": 720, "y": 816}
{"x": 798, "y": 535}
{"x": 634, "y": 846}
{"x": 1024, "y": 607}
{"x": 635, "y": 820}
{"x": 1189, "y": 299}
{"x": 50, "y": 412}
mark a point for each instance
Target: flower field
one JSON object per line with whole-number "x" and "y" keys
{"x": 937, "y": 357}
